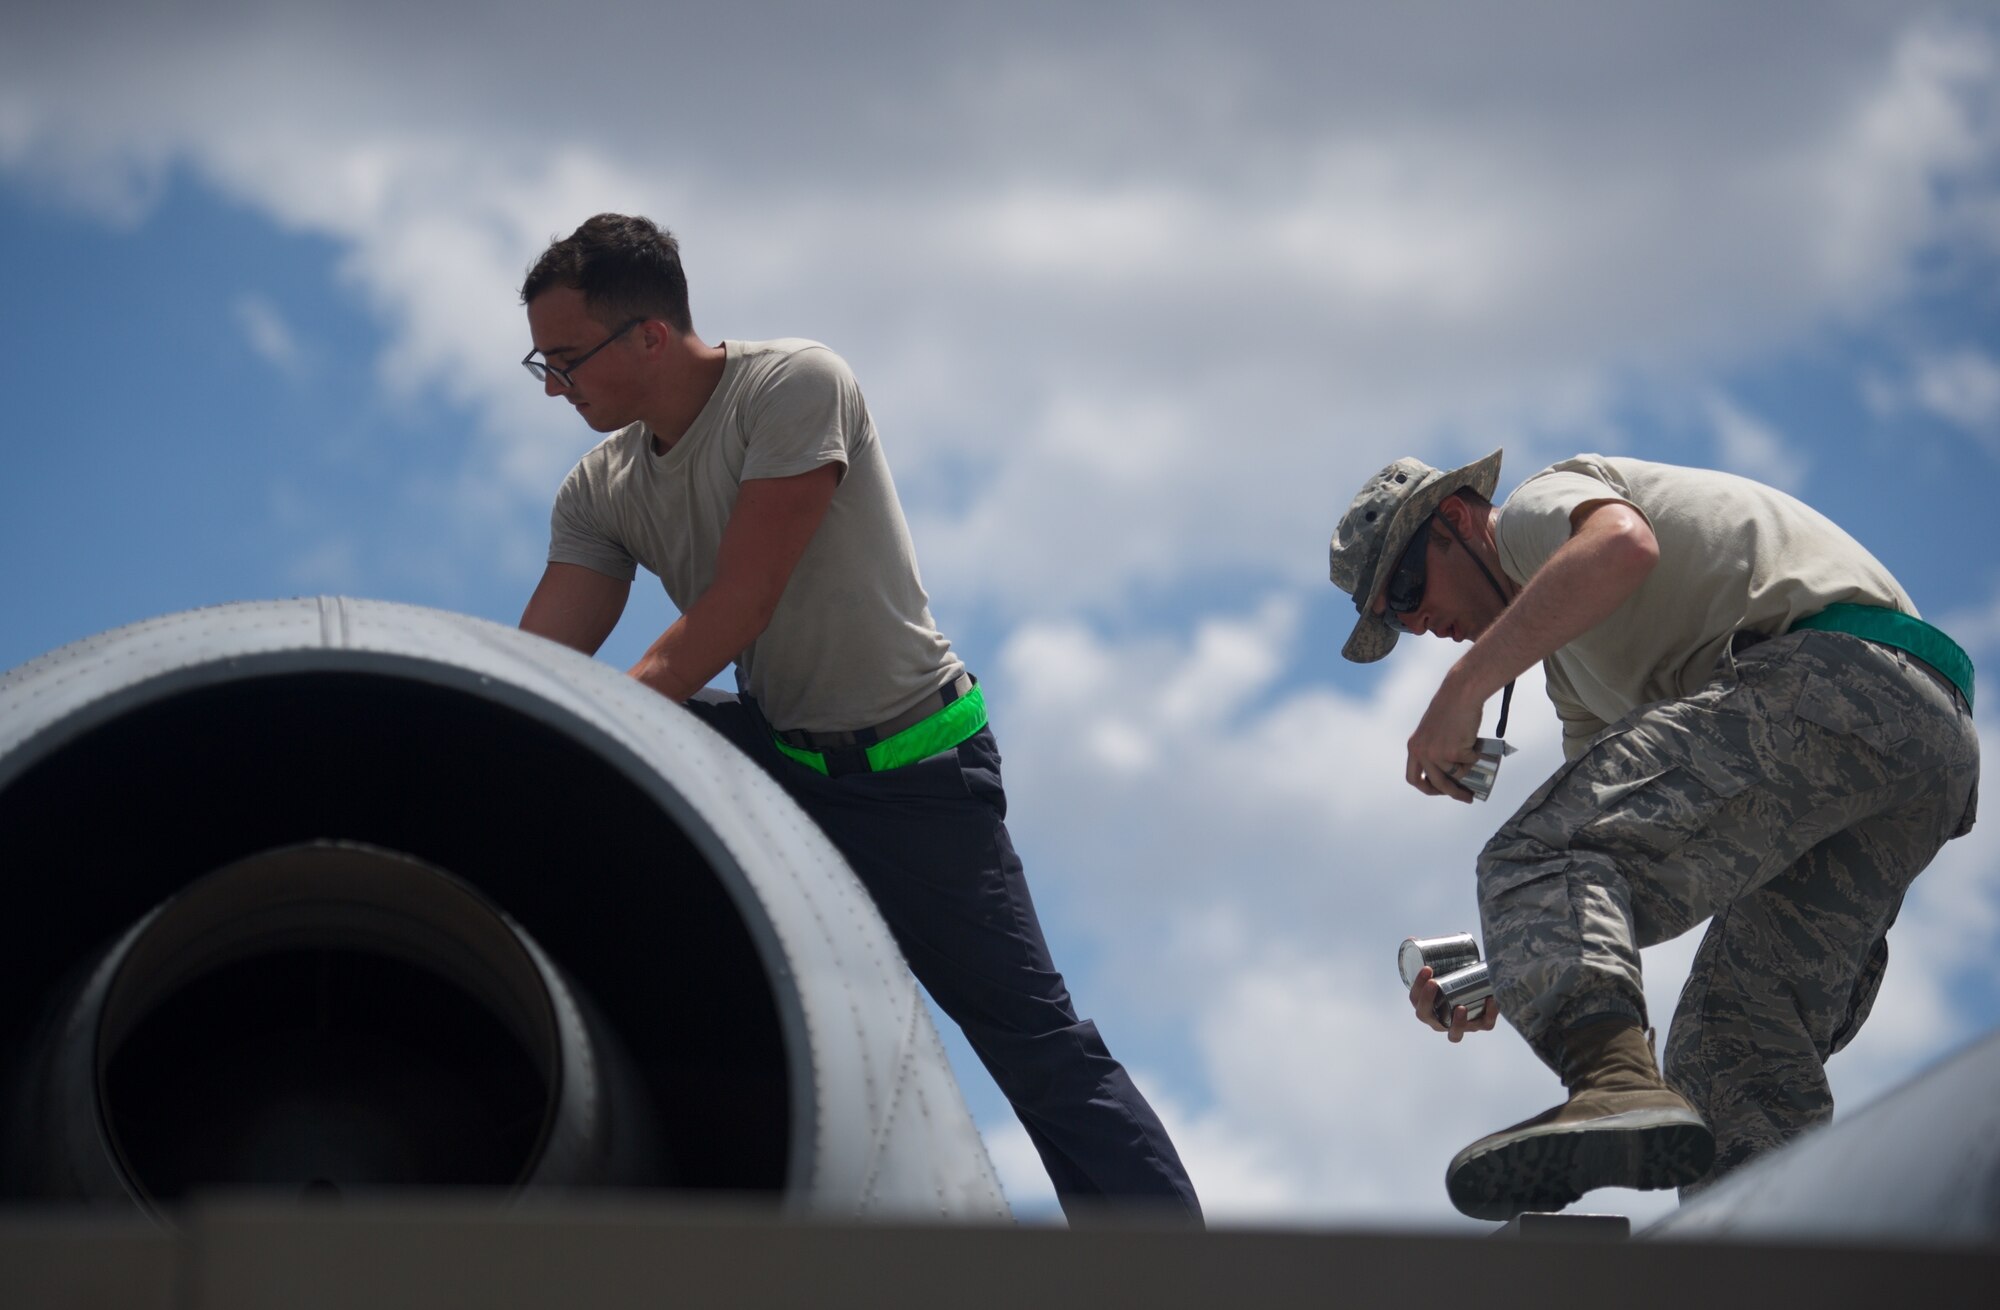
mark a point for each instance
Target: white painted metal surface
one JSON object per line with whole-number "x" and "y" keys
{"x": 879, "y": 1124}
{"x": 1921, "y": 1165}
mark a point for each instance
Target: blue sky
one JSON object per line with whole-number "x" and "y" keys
{"x": 1138, "y": 297}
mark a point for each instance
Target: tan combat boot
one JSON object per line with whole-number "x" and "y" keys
{"x": 1621, "y": 1127}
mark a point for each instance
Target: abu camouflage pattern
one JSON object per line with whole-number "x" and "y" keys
{"x": 1792, "y": 800}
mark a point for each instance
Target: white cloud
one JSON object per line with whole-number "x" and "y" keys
{"x": 1022, "y": 1177}
{"x": 1975, "y": 625}
{"x": 1916, "y": 123}
{"x": 1753, "y": 449}
{"x": 268, "y": 334}
{"x": 1085, "y": 292}
{"x": 1962, "y": 387}
{"x": 331, "y": 567}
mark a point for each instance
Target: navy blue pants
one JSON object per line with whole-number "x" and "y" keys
{"x": 929, "y": 841}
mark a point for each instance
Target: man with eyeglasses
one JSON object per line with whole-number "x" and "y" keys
{"x": 749, "y": 478}
{"x": 1759, "y": 731}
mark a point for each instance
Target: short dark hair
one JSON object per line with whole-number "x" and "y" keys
{"x": 625, "y": 266}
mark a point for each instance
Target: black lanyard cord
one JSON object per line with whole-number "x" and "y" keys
{"x": 1506, "y": 697}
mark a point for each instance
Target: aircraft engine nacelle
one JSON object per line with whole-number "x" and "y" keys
{"x": 325, "y": 896}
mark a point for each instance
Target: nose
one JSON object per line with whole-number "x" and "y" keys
{"x": 552, "y": 385}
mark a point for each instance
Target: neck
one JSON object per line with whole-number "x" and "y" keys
{"x": 1484, "y": 551}
{"x": 684, "y": 391}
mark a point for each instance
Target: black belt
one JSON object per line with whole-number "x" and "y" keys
{"x": 910, "y": 718}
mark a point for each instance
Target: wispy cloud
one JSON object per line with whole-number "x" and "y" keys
{"x": 268, "y": 334}
{"x": 1306, "y": 238}
{"x": 1959, "y": 385}
{"x": 332, "y": 566}
{"x": 1975, "y": 623}
{"x": 1963, "y": 387}
{"x": 1754, "y": 449}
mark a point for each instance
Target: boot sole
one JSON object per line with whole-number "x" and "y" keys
{"x": 1550, "y": 1166}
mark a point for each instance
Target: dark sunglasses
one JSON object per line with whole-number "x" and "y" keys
{"x": 1406, "y": 581}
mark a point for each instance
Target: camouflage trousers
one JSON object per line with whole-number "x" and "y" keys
{"x": 1791, "y": 801}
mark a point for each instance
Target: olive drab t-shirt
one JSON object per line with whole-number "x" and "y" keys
{"x": 1734, "y": 555}
{"x": 852, "y": 643}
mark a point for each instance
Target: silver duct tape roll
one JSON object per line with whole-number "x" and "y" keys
{"x": 1443, "y": 954}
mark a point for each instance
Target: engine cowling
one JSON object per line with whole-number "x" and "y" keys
{"x": 331, "y": 895}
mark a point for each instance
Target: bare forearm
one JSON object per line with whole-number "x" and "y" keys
{"x": 700, "y": 644}
{"x": 1579, "y": 587}
{"x": 1609, "y": 554}
{"x": 767, "y": 533}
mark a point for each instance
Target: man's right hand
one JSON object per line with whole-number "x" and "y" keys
{"x": 1424, "y": 997}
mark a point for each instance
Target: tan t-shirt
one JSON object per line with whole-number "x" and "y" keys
{"x": 852, "y": 643}
{"x": 1734, "y": 555}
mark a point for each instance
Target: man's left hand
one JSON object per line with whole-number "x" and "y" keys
{"x": 1424, "y": 999}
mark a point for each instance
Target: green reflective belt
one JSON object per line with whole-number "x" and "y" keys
{"x": 921, "y": 740}
{"x": 1905, "y": 632}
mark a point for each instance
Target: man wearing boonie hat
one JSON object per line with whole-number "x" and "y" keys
{"x": 1759, "y": 731}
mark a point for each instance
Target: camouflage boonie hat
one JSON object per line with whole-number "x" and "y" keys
{"x": 1376, "y": 528}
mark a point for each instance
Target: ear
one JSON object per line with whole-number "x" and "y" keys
{"x": 1455, "y": 511}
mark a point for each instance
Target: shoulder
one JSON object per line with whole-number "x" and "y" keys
{"x": 794, "y": 382}
{"x": 793, "y": 359}
{"x": 1536, "y": 519}
{"x": 1579, "y": 477}
{"x": 1558, "y": 491}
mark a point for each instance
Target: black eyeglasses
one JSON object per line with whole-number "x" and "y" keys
{"x": 541, "y": 370}
{"x": 1405, "y": 590}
